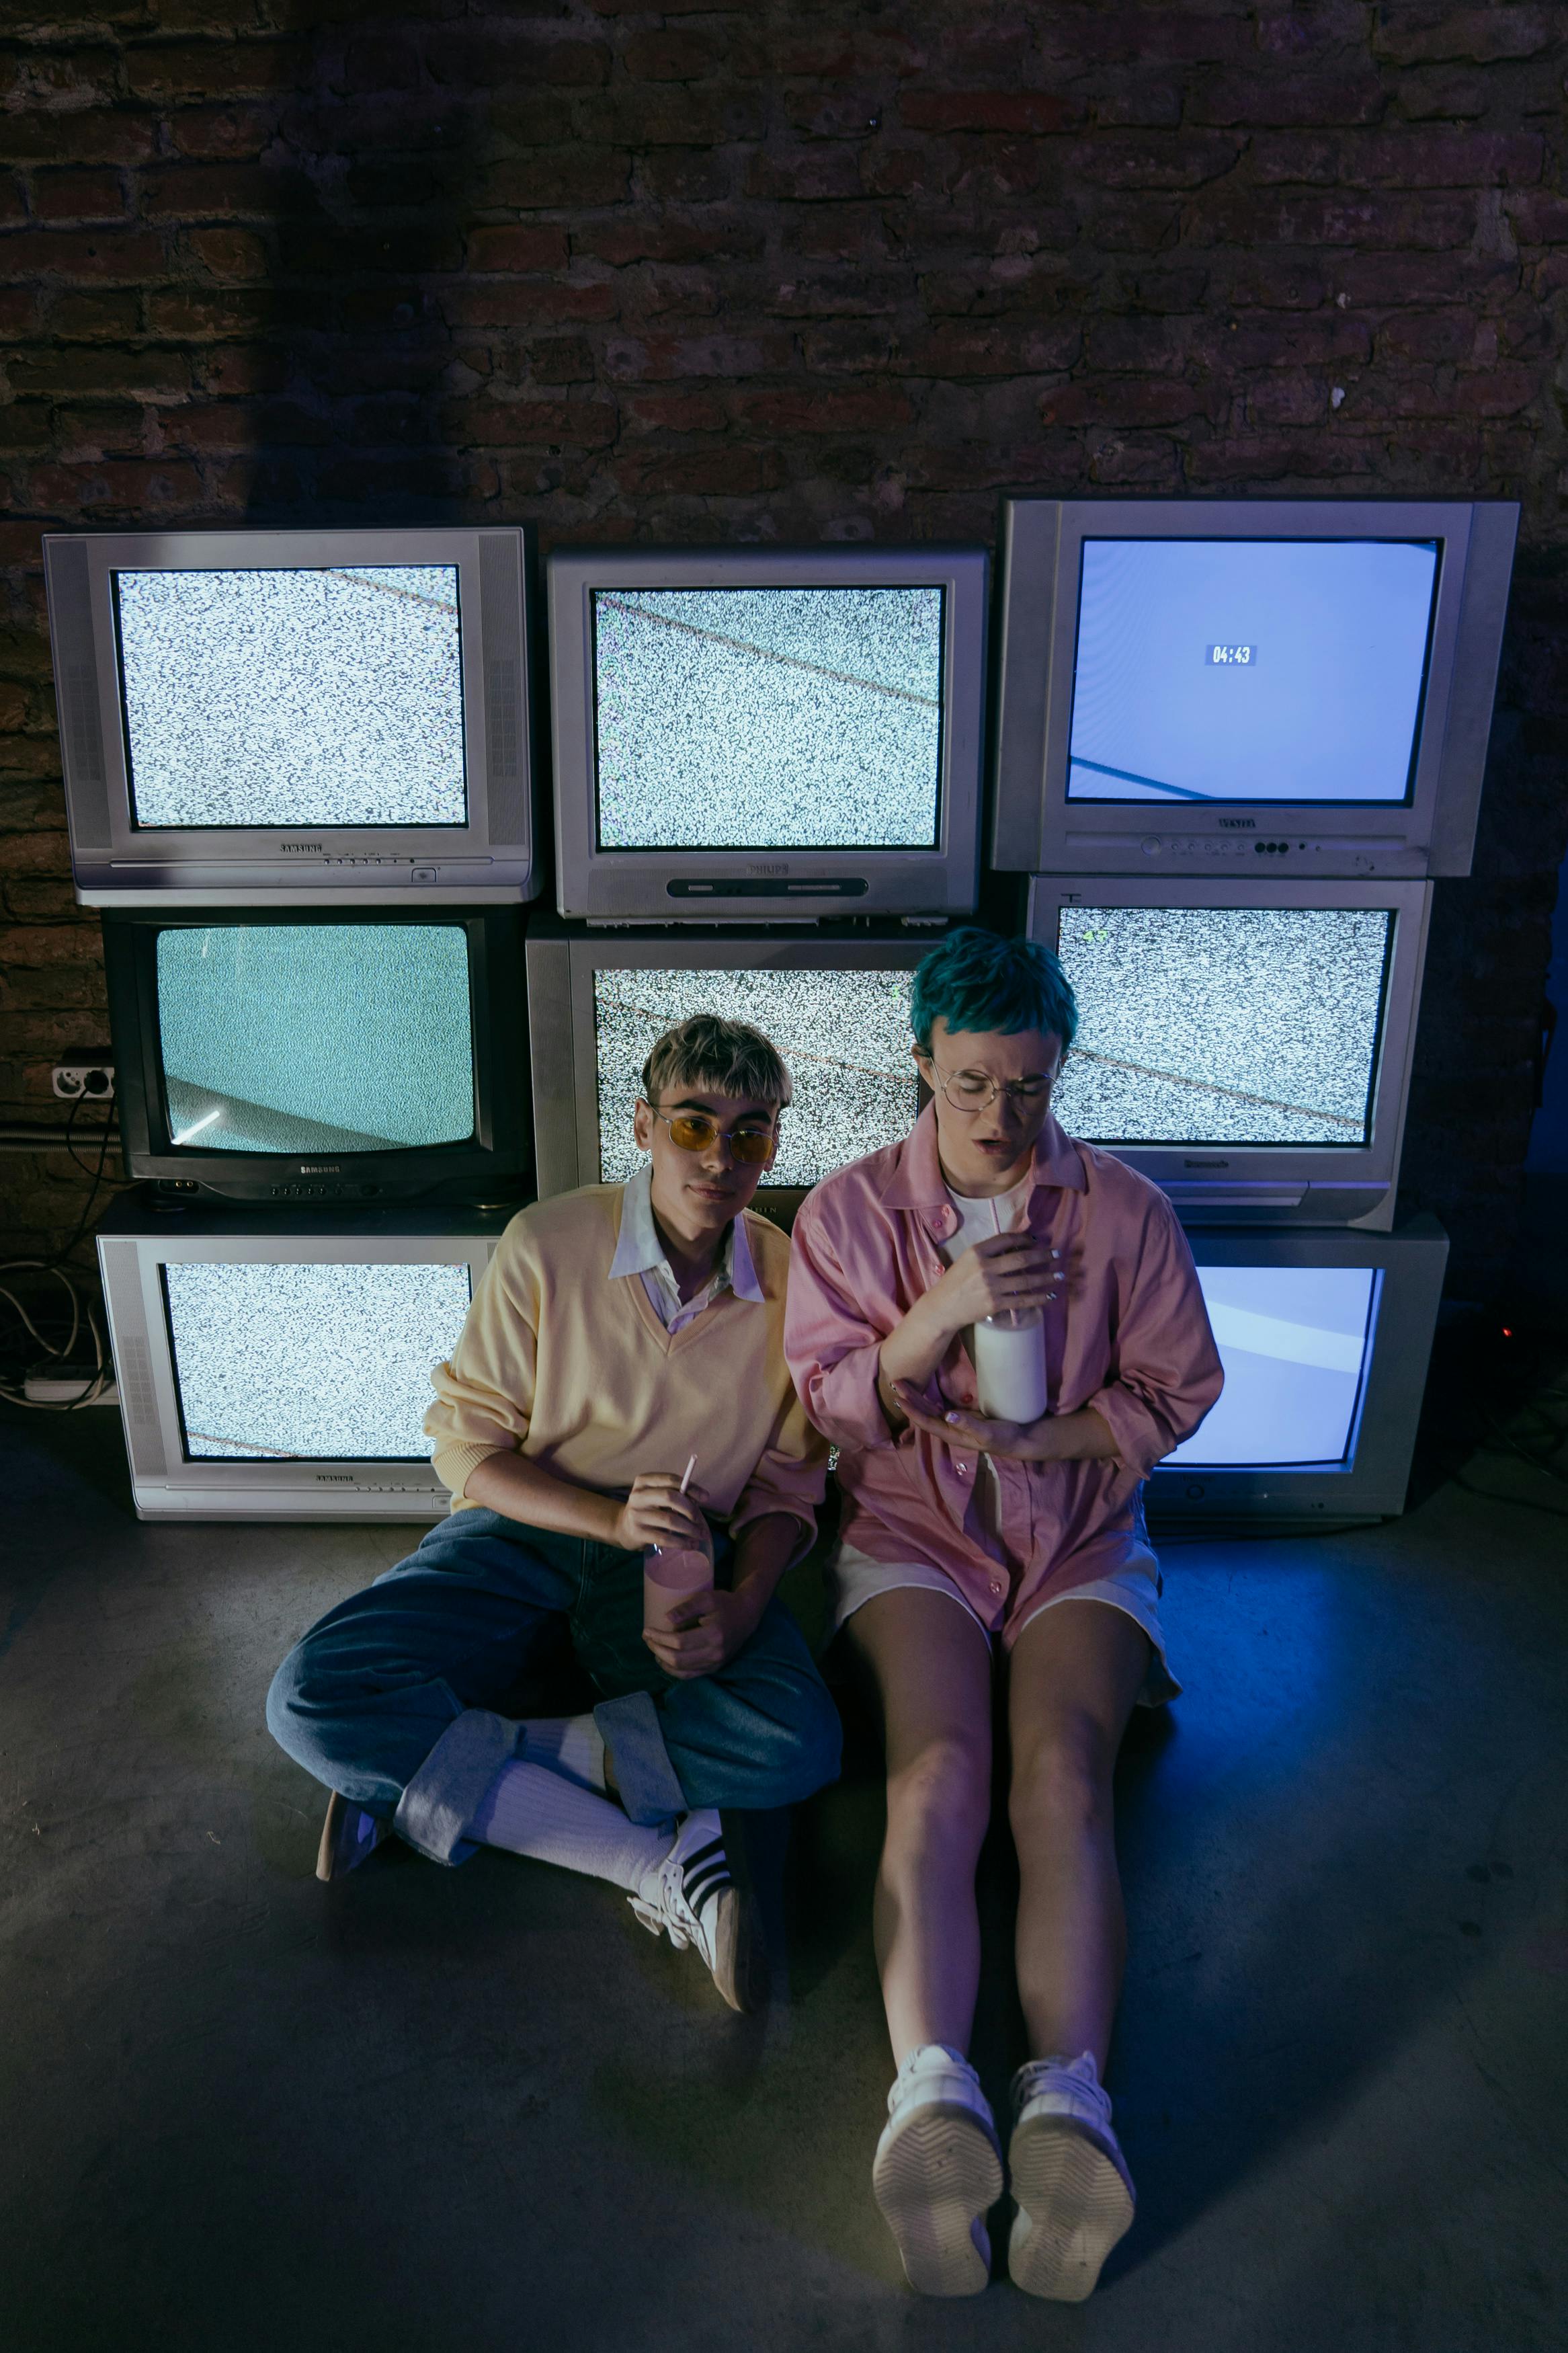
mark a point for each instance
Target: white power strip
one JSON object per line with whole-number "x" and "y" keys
{"x": 55, "y": 1389}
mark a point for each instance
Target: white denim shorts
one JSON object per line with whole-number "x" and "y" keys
{"x": 854, "y": 1578}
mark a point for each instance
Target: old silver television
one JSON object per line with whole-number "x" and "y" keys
{"x": 1325, "y": 1339}
{"x": 834, "y": 1001}
{"x": 1273, "y": 686}
{"x": 276, "y": 1366}
{"x": 750, "y": 734}
{"x": 1247, "y": 1045}
{"x": 283, "y": 715}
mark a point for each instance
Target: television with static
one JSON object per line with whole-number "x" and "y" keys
{"x": 1278, "y": 686}
{"x": 1325, "y": 1339}
{"x": 355, "y": 1053}
{"x": 834, "y": 1002}
{"x": 295, "y": 716}
{"x": 748, "y": 734}
{"x": 1247, "y": 1045}
{"x": 281, "y": 1368}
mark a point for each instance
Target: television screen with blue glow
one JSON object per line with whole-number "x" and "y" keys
{"x": 310, "y": 1362}
{"x": 1258, "y": 670}
{"x": 304, "y": 1038}
{"x": 844, "y": 1037}
{"x": 293, "y": 697}
{"x": 773, "y": 718}
{"x": 1295, "y": 1342}
{"x": 1217, "y": 1026}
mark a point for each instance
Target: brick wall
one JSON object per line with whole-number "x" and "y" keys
{"x": 834, "y": 272}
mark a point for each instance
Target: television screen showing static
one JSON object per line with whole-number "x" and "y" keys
{"x": 844, "y": 1037}
{"x": 316, "y": 1361}
{"x": 768, "y": 718}
{"x": 322, "y": 1037}
{"x": 288, "y": 697}
{"x": 1295, "y": 1342}
{"x": 1250, "y": 670}
{"x": 1222, "y": 1026}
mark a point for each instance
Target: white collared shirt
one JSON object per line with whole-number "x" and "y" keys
{"x": 639, "y": 1252}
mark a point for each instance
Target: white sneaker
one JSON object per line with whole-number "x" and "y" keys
{"x": 937, "y": 2169}
{"x": 1074, "y": 2193}
{"x": 692, "y": 1894}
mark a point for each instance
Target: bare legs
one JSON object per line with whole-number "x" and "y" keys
{"x": 933, "y": 1666}
{"x": 1075, "y": 1675}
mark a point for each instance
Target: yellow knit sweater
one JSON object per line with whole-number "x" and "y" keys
{"x": 578, "y": 1373}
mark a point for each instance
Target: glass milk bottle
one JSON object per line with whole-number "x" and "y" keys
{"x": 1010, "y": 1361}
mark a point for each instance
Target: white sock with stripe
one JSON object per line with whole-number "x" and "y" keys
{"x": 528, "y": 1810}
{"x": 572, "y": 1746}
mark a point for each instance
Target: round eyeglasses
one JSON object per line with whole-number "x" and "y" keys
{"x": 973, "y": 1091}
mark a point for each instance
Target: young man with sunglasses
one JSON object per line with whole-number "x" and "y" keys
{"x": 965, "y": 1534}
{"x": 618, "y": 1331}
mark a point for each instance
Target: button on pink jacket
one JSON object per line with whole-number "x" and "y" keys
{"x": 1133, "y": 1340}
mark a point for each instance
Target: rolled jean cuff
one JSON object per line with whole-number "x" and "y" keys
{"x": 646, "y": 1779}
{"x": 435, "y": 1809}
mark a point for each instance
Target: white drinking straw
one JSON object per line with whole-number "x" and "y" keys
{"x": 686, "y": 1474}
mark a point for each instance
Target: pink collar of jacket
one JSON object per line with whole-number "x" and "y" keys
{"x": 914, "y": 1179}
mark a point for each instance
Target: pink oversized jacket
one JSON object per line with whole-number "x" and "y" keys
{"x": 1133, "y": 1340}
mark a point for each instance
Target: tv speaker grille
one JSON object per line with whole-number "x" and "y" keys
{"x": 133, "y": 1364}
{"x": 501, "y": 710}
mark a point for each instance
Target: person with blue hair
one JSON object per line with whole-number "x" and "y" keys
{"x": 966, "y": 1533}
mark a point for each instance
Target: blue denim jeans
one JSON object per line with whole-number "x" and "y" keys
{"x": 391, "y": 1697}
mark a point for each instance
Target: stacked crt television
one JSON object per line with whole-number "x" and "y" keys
{"x": 1235, "y": 743}
{"x": 300, "y": 783}
{"x": 279, "y": 1366}
{"x": 765, "y": 735}
{"x": 278, "y": 716}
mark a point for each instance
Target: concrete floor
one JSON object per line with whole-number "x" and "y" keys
{"x": 481, "y": 2108}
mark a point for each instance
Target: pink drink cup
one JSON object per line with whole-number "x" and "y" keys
{"x": 668, "y": 1578}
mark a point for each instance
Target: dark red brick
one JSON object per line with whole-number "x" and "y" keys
{"x": 809, "y": 176}
{"x": 1005, "y": 347}
{"x": 194, "y": 192}
{"x": 130, "y": 255}
{"x": 622, "y": 241}
{"x": 1427, "y": 335}
{"x": 670, "y": 56}
{"x": 1414, "y": 36}
{"x": 76, "y": 315}
{"x": 1126, "y": 159}
{"x": 654, "y": 359}
{"x": 517, "y": 247}
{"x": 701, "y": 473}
{"x": 231, "y": 253}
{"x": 76, "y": 369}
{"x": 675, "y": 412}
{"x": 95, "y": 137}
{"x": 79, "y": 196}
{"x": 1125, "y": 400}
{"x": 533, "y": 423}
{"x": 875, "y": 408}
{"x": 1030, "y": 112}
{"x": 1276, "y": 101}
{"x": 166, "y": 70}
{"x": 558, "y": 178}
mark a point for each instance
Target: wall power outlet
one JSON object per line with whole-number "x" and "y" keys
{"x": 85, "y": 1077}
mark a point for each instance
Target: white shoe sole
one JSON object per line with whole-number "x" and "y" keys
{"x": 1074, "y": 2203}
{"x": 934, "y": 2178}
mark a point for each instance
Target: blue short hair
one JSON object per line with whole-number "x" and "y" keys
{"x": 977, "y": 980}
